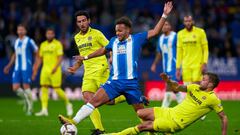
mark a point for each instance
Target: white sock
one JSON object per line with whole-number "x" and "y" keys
{"x": 167, "y": 99}
{"x": 20, "y": 93}
{"x": 29, "y": 93}
{"x": 84, "y": 112}
{"x": 179, "y": 97}
{"x": 28, "y": 97}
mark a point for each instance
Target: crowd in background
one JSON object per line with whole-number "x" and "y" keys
{"x": 220, "y": 19}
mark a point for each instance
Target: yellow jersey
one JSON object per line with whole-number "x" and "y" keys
{"x": 87, "y": 44}
{"x": 196, "y": 104}
{"x": 192, "y": 48}
{"x": 49, "y": 51}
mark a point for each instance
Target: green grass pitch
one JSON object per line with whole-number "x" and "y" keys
{"x": 13, "y": 121}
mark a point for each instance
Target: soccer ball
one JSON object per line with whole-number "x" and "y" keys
{"x": 68, "y": 129}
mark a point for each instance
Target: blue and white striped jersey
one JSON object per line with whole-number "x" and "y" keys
{"x": 167, "y": 47}
{"x": 125, "y": 55}
{"x": 24, "y": 50}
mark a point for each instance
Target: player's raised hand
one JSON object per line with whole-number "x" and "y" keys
{"x": 165, "y": 77}
{"x": 167, "y": 8}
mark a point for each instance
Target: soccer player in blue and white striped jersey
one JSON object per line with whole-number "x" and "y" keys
{"x": 25, "y": 50}
{"x": 166, "y": 49}
{"x": 123, "y": 80}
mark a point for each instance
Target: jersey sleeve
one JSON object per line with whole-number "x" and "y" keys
{"x": 216, "y": 105}
{"x": 110, "y": 44}
{"x": 59, "y": 49}
{"x": 179, "y": 51}
{"x": 33, "y": 45}
{"x": 141, "y": 38}
{"x": 102, "y": 40}
{"x": 192, "y": 87}
{"x": 204, "y": 43}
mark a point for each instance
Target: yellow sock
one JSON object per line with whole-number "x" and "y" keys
{"x": 96, "y": 120}
{"x": 119, "y": 99}
{"x": 62, "y": 95}
{"x": 44, "y": 97}
{"x": 129, "y": 131}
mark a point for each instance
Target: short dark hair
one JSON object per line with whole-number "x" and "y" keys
{"x": 82, "y": 12}
{"x": 22, "y": 25}
{"x": 124, "y": 20}
{"x": 50, "y": 29}
{"x": 213, "y": 78}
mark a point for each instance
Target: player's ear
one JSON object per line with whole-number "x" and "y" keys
{"x": 89, "y": 21}
{"x": 193, "y": 22}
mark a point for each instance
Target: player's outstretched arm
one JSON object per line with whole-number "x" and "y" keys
{"x": 157, "y": 29}
{"x": 224, "y": 122}
{"x": 99, "y": 52}
{"x": 172, "y": 84}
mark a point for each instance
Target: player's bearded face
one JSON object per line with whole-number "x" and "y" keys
{"x": 204, "y": 83}
{"x": 122, "y": 31}
{"x": 21, "y": 31}
{"x": 50, "y": 34}
{"x": 188, "y": 22}
{"x": 83, "y": 23}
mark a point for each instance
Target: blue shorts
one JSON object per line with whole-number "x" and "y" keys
{"x": 21, "y": 76}
{"x": 172, "y": 75}
{"x": 128, "y": 88}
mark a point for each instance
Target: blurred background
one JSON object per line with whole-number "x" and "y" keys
{"x": 220, "y": 19}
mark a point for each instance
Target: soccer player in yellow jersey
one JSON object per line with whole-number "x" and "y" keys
{"x": 51, "y": 54}
{"x": 200, "y": 100}
{"x": 192, "y": 52}
{"x": 96, "y": 70}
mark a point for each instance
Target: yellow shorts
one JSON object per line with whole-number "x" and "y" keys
{"x": 163, "y": 121}
{"x": 192, "y": 74}
{"x": 54, "y": 80}
{"x": 92, "y": 83}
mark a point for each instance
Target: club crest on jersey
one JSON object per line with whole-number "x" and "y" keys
{"x": 89, "y": 38}
{"x": 121, "y": 49}
{"x": 204, "y": 97}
